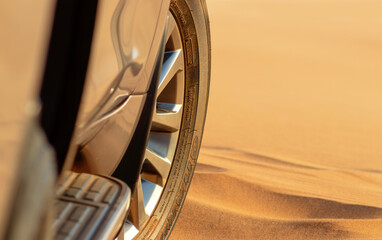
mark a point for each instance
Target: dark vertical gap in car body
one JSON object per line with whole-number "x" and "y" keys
{"x": 131, "y": 164}
{"x": 65, "y": 71}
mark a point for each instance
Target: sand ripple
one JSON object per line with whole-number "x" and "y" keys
{"x": 225, "y": 201}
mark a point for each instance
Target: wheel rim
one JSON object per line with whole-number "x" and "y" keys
{"x": 164, "y": 133}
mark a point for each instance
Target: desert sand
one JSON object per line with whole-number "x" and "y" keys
{"x": 292, "y": 144}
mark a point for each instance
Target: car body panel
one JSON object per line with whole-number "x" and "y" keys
{"x": 125, "y": 46}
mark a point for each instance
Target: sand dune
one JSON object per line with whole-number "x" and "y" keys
{"x": 224, "y": 204}
{"x": 292, "y": 144}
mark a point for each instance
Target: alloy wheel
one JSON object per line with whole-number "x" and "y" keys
{"x": 164, "y": 132}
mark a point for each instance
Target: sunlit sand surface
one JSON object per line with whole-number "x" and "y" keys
{"x": 292, "y": 145}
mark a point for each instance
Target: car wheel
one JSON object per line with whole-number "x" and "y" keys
{"x": 177, "y": 123}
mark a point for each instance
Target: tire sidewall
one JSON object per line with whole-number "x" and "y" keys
{"x": 192, "y": 20}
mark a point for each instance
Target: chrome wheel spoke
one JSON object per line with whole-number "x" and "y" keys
{"x": 167, "y": 117}
{"x": 171, "y": 24}
{"x": 157, "y": 168}
{"x": 172, "y": 63}
{"x": 138, "y": 215}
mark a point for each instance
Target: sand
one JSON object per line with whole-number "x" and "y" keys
{"x": 292, "y": 144}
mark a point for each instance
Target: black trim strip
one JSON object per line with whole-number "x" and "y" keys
{"x": 65, "y": 71}
{"x": 131, "y": 164}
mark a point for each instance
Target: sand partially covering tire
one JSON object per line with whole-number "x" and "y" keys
{"x": 292, "y": 145}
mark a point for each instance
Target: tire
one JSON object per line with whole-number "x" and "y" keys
{"x": 192, "y": 20}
